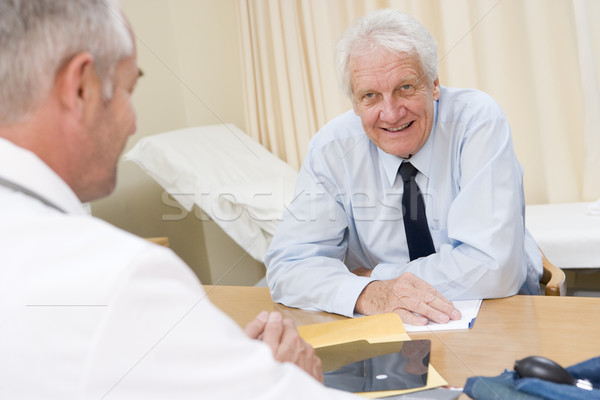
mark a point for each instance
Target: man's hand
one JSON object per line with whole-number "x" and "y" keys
{"x": 285, "y": 342}
{"x": 406, "y": 295}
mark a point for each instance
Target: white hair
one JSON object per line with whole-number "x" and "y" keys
{"x": 390, "y": 30}
{"x": 39, "y": 37}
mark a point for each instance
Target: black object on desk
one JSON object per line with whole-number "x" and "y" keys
{"x": 548, "y": 370}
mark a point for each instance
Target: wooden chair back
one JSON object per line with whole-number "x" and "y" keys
{"x": 554, "y": 278}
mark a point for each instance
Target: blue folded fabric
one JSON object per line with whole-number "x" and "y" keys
{"x": 509, "y": 386}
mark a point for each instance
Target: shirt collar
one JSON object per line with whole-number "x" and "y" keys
{"x": 422, "y": 160}
{"x": 23, "y": 167}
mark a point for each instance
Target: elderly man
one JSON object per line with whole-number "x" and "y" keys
{"x": 89, "y": 311}
{"x": 413, "y": 198}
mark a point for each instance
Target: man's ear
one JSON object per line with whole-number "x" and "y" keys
{"x": 436, "y": 88}
{"x": 77, "y": 82}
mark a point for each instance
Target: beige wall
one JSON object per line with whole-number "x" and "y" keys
{"x": 189, "y": 54}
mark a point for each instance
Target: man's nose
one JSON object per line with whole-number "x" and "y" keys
{"x": 392, "y": 110}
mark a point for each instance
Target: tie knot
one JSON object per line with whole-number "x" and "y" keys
{"x": 407, "y": 171}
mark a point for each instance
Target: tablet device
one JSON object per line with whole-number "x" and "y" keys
{"x": 372, "y": 367}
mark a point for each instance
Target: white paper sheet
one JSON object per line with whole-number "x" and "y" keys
{"x": 468, "y": 309}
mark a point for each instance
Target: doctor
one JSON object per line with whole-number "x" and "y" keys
{"x": 88, "y": 311}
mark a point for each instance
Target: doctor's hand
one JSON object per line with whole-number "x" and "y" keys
{"x": 285, "y": 342}
{"x": 406, "y": 295}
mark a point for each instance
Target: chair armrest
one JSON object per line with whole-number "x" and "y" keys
{"x": 163, "y": 240}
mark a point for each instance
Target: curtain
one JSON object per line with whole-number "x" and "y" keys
{"x": 540, "y": 60}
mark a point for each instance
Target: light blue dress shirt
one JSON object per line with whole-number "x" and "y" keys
{"x": 347, "y": 212}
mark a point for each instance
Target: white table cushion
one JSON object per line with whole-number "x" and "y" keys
{"x": 568, "y": 233}
{"x": 230, "y": 176}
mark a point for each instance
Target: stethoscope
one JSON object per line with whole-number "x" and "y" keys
{"x": 24, "y": 190}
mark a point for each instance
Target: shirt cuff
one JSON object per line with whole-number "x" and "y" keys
{"x": 385, "y": 271}
{"x": 347, "y": 297}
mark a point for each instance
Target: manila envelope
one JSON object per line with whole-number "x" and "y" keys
{"x": 374, "y": 329}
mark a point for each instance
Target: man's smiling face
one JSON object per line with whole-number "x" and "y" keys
{"x": 394, "y": 100}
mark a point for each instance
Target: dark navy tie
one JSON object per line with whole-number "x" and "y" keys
{"x": 418, "y": 236}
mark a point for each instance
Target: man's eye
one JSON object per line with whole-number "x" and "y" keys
{"x": 369, "y": 95}
{"x": 406, "y": 87}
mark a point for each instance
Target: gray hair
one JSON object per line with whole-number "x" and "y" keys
{"x": 390, "y": 30}
{"x": 39, "y": 37}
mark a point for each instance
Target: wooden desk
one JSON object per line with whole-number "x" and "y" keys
{"x": 565, "y": 329}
